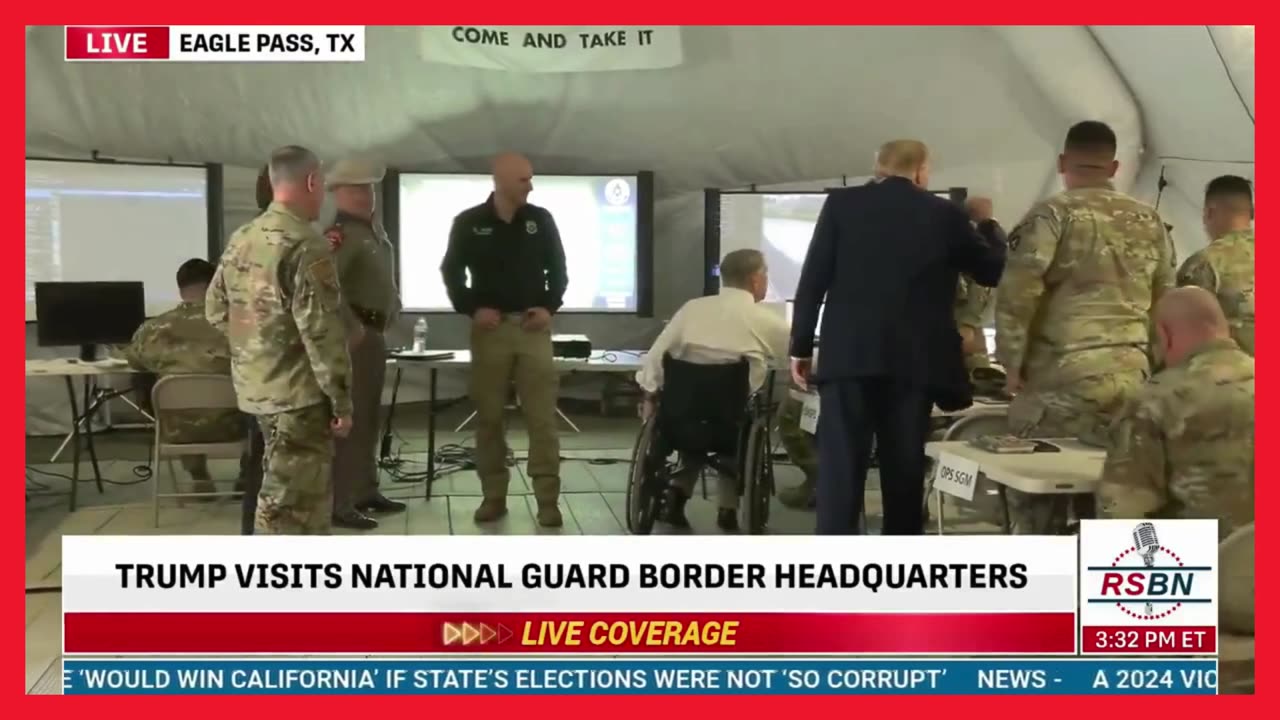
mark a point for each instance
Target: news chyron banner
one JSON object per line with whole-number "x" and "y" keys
{"x": 574, "y": 615}
{"x": 234, "y": 43}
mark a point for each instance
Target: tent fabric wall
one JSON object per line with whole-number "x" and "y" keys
{"x": 773, "y": 107}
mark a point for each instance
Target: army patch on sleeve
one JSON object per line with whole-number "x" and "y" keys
{"x": 323, "y": 274}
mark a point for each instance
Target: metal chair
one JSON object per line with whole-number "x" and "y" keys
{"x": 977, "y": 422}
{"x": 189, "y": 392}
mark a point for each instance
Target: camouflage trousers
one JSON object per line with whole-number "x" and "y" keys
{"x": 201, "y": 426}
{"x": 801, "y": 447}
{"x": 297, "y": 488}
{"x": 1083, "y": 408}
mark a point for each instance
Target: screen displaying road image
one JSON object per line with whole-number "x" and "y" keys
{"x": 596, "y": 217}
{"x": 779, "y": 225}
{"x": 110, "y": 222}
{"x": 791, "y": 311}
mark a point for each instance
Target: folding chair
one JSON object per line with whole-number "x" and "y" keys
{"x": 975, "y": 423}
{"x": 189, "y": 392}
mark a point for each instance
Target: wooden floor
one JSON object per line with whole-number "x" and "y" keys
{"x": 593, "y": 479}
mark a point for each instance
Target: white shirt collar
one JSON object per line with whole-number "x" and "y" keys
{"x": 737, "y": 294}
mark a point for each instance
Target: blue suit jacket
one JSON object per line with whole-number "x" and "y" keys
{"x": 885, "y": 259}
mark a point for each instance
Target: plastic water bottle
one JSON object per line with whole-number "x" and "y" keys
{"x": 420, "y": 335}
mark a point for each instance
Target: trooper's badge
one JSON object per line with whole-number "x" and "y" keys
{"x": 531, "y": 227}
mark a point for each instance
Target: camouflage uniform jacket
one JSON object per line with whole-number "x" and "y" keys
{"x": 972, "y": 303}
{"x": 277, "y": 297}
{"x": 182, "y": 342}
{"x": 1184, "y": 446}
{"x": 1085, "y": 269}
{"x": 1225, "y": 268}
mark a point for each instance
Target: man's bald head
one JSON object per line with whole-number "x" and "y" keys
{"x": 1186, "y": 318}
{"x": 904, "y": 158}
{"x": 512, "y": 179}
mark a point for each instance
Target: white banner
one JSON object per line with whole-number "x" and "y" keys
{"x": 546, "y": 573}
{"x": 553, "y": 49}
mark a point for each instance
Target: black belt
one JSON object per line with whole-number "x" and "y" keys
{"x": 371, "y": 318}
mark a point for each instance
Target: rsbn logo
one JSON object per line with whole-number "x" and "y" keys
{"x": 1149, "y": 581}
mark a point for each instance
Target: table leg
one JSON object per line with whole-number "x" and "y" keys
{"x": 75, "y": 441}
{"x": 938, "y": 494}
{"x": 1007, "y": 522}
{"x": 431, "y": 432}
{"x": 91, "y": 409}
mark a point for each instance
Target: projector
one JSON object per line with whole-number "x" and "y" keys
{"x": 570, "y": 346}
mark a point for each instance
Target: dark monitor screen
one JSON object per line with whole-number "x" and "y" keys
{"x": 88, "y": 313}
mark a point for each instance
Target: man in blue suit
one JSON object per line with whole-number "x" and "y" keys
{"x": 885, "y": 258}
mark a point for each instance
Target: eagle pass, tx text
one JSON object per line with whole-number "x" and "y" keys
{"x": 552, "y": 576}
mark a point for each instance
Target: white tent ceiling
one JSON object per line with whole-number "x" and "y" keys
{"x": 748, "y": 105}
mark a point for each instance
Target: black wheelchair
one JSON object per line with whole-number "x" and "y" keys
{"x": 705, "y": 411}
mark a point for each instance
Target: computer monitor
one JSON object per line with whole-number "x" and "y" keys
{"x": 791, "y": 309}
{"x": 88, "y": 314}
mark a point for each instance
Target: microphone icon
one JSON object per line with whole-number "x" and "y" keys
{"x": 1146, "y": 543}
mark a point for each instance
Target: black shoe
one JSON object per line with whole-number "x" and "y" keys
{"x": 380, "y": 504}
{"x": 672, "y": 512}
{"x": 354, "y": 520}
{"x": 727, "y": 520}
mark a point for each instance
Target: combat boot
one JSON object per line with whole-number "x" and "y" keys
{"x": 549, "y": 514}
{"x": 354, "y": 520}
{"x": 799, "y": 497}
{"x": 491, "y": 509}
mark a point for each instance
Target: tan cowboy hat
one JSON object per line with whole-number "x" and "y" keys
{"x": 354, "y": 171}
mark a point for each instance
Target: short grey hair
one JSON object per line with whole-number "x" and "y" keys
{"x": 738, "y": 266}
{"x": 290, "y": 164}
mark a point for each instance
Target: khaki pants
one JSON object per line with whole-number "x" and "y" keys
{"x": 355, "y": 457}
{"x": 499, "y": 356}
{"x": 297, "y": 488}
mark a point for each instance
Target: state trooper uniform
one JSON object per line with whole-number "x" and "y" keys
{"x": 365, "y": 261}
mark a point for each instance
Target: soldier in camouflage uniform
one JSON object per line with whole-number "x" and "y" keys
{"x": 1073, "y": 311}
{"x": 972, "y": 303}
{"x": 251, "y": 469}
{"x": 1183, "y": 448}
{"x": 182, "y": 342}
{"x": 802, "y": 448}
{"x": 277, "y": 297}
{"x": 366, "y": 270}
{"x": 1225, "y": 267}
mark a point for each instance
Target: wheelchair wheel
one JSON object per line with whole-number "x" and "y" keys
{"x": 757, "y": 479}
{"x": 643, "y": 493}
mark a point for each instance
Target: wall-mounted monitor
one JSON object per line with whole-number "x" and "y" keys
{"x": 119, "y": 222}
{"x": 779, "y": 224}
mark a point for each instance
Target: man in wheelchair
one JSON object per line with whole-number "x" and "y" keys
{"x": 720, "y": 349}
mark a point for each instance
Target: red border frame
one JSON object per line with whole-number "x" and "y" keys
{"x": 586, "y": 12}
